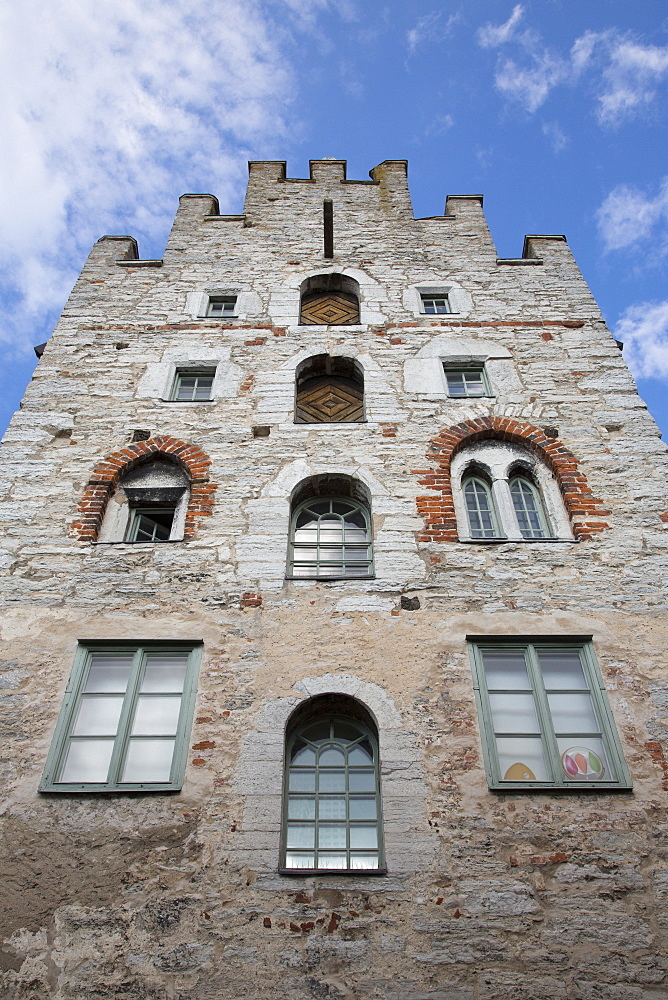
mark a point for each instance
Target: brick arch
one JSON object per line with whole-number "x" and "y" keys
{"x": 583, "y": 508}
{"x": 107, "y": 473}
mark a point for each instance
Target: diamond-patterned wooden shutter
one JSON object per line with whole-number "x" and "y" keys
{"x": 329, "y": 308}
{"x": 329, "y": 398}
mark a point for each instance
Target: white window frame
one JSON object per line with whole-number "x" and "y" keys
{"x": 464, "y": 369}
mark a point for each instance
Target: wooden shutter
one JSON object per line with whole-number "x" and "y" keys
{"x": 329, "y": 398}
{"x": 329, "y": 308}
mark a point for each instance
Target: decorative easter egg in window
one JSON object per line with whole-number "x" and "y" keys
{"x": 519, "y": 772}
{"x": 582, "y": 764}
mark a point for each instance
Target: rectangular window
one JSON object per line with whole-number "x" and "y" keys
{"x": 125, "y": 720}
{"x": 193, "y": 386}
{"x": 150, "y": 524}
{"x": 434, "y": 304}
{"x": 222, "y": 305}
{"x": 544, "y": 715}
{"x": 467, "y": 382}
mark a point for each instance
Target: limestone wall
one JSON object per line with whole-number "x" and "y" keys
{"x": 524, "y": 896}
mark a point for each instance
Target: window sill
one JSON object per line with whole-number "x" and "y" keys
{"x": 188, "y": 402}
{"x": 328, "y": 579}
{"x": 165, "y": 541}
{"x": 546, "y": 786}
{"x": 348, "y": 872}
{"x": 519, "y": 541}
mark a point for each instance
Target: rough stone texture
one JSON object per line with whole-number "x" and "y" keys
{"x": 162, "y": 897}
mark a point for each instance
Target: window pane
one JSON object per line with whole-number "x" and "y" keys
{"x": 573, "y": 713}
{"x": 506, "y": 670}
{"x": 299, "y": 860}
{"x": 359, "y": 755}
{"x": 156, "y": 716}
{"x": 301, "y": 835}
{"x": 301, "y": 781}
{"x": 331, "y": 755}
{"x": 474, "y": 384}
{"x": 308, "y": 535}
{"x": 355, "y": 535}
{"x": 358, "y": 555}
{"x": 320, "y": 732}
{"x": 164, "y": 673}
{"x": 332, "y": 807}
{"x": 301, "y": 808}
{"x": 87, "y": 761}
{"x": 456, "y": 386}
{"x": 98, "y": 716}
{"x": 332, "y": 781}
{"x": 521, "y": 759}
{"x": 332, "y": 835}
{"x": 332, "y": 861}
{"x": 364, "y": 836}
{"x": 585, "y": 761}
{"x": 364, "y": 861}
{"x": 148, "y": 760}
{"x": 562, "y": 670}
{"x": 514, "y": 713}
{"x": 361, "y": 781}
{"x": 363, "y": 808}
{"x": 345, "y": 731}
{"x": 303, "y": 756}
{"x": 108, "y": 673}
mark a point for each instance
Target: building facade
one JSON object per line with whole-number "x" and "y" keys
{"x": 334, "y": 562}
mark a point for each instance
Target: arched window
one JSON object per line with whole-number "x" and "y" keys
{"x": 329, "y": 299}
{"x": 529, "y": 509}
{"x": 331, "y": 539}
{"x": 483, "y": 522}
{"x": 332, "y": 817}
{"x": 148, "y": 505}
{"x": 329, "y": 389}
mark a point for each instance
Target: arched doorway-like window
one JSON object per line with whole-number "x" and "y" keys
{"x": 329, "y": 300}
{"x": 332, "y": 808}
{"x": 483, "y": 522}
{"x": 529, "y": 509}
{"x": 329, "y": 389}
{"x": 149, "y": 504}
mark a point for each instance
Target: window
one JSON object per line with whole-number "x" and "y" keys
{"x": 544, "y": 716}
{"x": 528, "y": 507}
{"x": 503, "y": 492}
{"x": 433, "y": 303}
{"x": 467, "y": 382}
{"x": 483, "y": 521}
{"x": 332, "y": 795}
{"x": 149, "y": 504}
{"x": 125, "y": 720}
{"x": 328, "y": 300}
{"x": 329, "y": 389}
{"x": 222, "y": 305}
{"x": 330, "y": 539}
{"x": 193, "y": 386}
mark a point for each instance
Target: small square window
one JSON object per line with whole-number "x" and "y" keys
{"x": 544, "y": 716}
{"x": 433, "y": 304}
{"x": 125, "y": 720}
{"x": 466, "y": 382}
{"x": 222, "y": 305}
{"x": 193, "y": 386}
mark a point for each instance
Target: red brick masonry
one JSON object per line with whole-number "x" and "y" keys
{"x": 105, "y": 477}
{"x": 439, "y": 511}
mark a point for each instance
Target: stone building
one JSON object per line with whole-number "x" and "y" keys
{"x": 334, "y": 558}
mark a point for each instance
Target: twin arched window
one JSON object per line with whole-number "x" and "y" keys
{"x": 332, "y": 816}
{"x": 506, "y": 493}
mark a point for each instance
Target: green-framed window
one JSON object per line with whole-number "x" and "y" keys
{"x": 529, "y": 508}
{"x": 193, "y": 386}
{"x": 544, "y": 715}
{"x": 332, "y": 814}
{"x": 466, "y": 382}
{"x": 330, "y": 538}
{"x": 222, "y": 305}
{"x": 480, "y": 510}
{"x": 432, "y": 304}
{"x": 125, "y": 720}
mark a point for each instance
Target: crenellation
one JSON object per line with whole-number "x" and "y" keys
{"x": 483, "y": 886}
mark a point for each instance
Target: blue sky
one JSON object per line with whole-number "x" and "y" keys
{"x": 554, "y": 109}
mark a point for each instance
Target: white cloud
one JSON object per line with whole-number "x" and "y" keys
{"x": 111, "y": 110}
{"x": 491, "y": 35}
{"x": 643, "y": 329}
{"x": 431, "y": 27}
{"x": 623, "y": 74}
{"x": 557, "y": 137}
{"x": 628, "y": 215}
{"x": 631, "y": 79}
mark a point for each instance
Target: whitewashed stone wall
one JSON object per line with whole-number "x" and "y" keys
{"x": 516, "y": 897}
